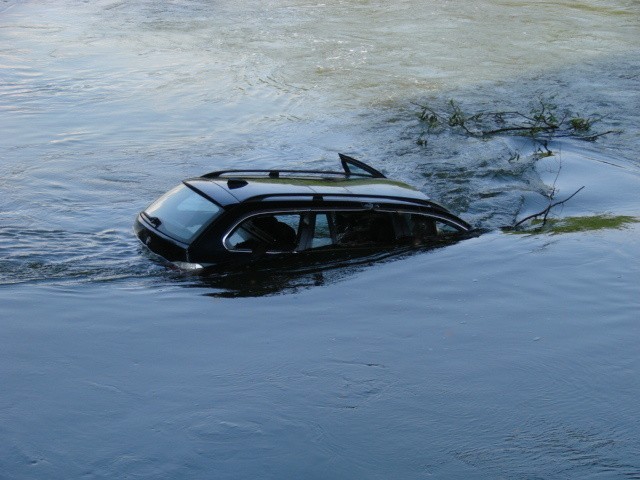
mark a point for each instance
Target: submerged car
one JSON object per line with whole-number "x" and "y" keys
{"x": 233, "y": 217}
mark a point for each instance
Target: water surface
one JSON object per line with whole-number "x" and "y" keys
{"x": 502, "y": 356}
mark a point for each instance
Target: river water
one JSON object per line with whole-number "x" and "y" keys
{"x": 502, "y": 356}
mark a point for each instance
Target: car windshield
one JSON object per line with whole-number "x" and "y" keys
{"x": 181, "y": 213}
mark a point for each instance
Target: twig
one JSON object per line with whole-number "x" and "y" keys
{"x": 591, "y": 138}
{"x": 545, "y": 120}
{"x": 545, "y": 212}
{"x": 516, "y": 129}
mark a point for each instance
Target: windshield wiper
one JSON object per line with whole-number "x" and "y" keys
{"x": 155, "y": 221}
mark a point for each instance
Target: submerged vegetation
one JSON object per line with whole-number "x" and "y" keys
{"x": 577, "y": 224}
{"x": 544, "y": 121}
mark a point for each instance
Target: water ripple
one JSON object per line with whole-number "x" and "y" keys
{"x": 549, "y": 450}
{"x": 57, "y": 256}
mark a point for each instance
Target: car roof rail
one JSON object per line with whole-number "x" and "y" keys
{"x": 351, "y": 168}
{"x": 321, "y": 197}
{"x": 276, "y": 173}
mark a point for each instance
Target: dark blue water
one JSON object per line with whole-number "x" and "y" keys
{"x": 502, "y": 356}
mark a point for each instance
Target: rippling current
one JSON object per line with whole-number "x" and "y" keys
{"x": 502, "y": 356}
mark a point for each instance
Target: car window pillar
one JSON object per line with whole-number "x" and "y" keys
{"x": 307, "y": 228}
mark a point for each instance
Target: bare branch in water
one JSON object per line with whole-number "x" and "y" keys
{"x": 544, "y": 121}
{"x": 546, "y": 211}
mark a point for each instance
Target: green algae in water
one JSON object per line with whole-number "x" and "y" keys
{"x": 578, "y": 224}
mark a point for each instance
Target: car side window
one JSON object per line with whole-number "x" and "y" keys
{"x": 353, "y": 229}
{"x": 371, "y": 229}
{"x": 286, "y": 232}
{"x": 266, "y": 233}
{"x": 364, "y": 228}
{"x": 423, "y": 228}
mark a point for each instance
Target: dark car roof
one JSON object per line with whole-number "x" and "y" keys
{"x": 230, "y": 190}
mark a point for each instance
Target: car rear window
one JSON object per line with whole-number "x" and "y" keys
{"x": 181, "y": 213}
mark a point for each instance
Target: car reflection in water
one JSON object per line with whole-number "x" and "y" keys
{"x": 286, "y": 274}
